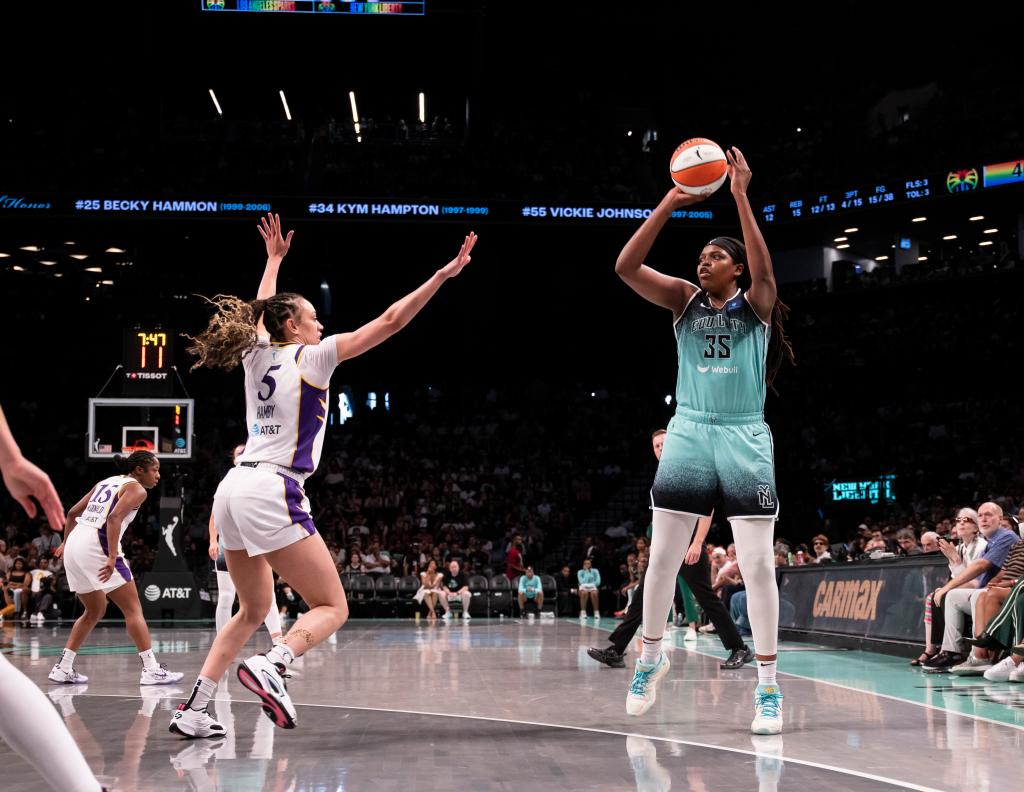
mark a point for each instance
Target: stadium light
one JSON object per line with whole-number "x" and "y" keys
{"x": 5, "y": 255}
{"x": 990, "y": 231}
{"x": 922, "y": 258}
{"x": 287, "y": 112}
{"x": 216, "y": 104}
{"x": 881, "y": 258}
{"x": 918, "y": 219}
{"x": 850, "y": 230}
{"x": 423, "y": 108}
{"x": 31, "y": 248}
{"x": 115, "y": 250}
{"x": 840, "y": 239}
{"x": 842, "y": 247}
{"x": 48, "y": 263}
{"x": 79, "y": 256}
{"x": 16, "y": 268}
{"x": 987, "y": 242}
{"x": 949, "y": 237}
{"x": 355, "y": 113}
{"x": 976, "y": 218}
{"x": 93, "y": 269}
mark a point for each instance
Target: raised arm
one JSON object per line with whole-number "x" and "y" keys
{"x": 26, "y": 481}
{"x": 654, "y": 286}
{"x": 396, "y": 317}
{"x": 762, "y": 292}
{"x": 277, "y": 248}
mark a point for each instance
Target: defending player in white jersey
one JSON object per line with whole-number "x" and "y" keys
{"x": 260, "y": 508}
{"x": 96, "y": 567}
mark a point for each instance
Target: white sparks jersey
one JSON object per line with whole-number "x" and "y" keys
{"x": 104, "y": 498}
{"x": 286, "y": 397}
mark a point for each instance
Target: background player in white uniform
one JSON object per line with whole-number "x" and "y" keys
{"x": 28, "y": 723}
{"x": 96, "y": 567}
{"x": 260, "y": 508}
{"x": 226, "y": 588}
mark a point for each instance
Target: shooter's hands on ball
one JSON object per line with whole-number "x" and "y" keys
{"x": 270, "y": 230}
{"x": 454, "y": 267}
{"x": 739, "y": 171}
{"x": 693, "y": 554}
{"x": 107, "y": 570}
{"x": 679, "y": 199}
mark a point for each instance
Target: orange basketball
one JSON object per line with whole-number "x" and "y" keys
{"x": 698, "y": 166}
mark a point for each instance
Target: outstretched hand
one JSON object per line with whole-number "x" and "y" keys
{"x": 739, "y": 171}
{"x": 270, "y": 230}
{"x": 26, "y": 481}
{"x": 454, "y": 267}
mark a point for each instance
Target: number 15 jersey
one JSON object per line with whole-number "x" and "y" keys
{"x": 286, "y": 402}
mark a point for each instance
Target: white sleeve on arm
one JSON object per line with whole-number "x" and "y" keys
{"x": 317, "y": 362}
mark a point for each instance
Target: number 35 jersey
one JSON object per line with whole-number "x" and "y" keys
{"x": 722, "y": 356}
{"x": 286, "y": 402}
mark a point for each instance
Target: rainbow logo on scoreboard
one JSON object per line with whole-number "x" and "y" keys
{"x": 1003, "y": 173}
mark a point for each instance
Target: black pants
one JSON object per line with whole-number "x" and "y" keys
{"x": 698, "y": 578}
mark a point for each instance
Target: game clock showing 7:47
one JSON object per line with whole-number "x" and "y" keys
{"x": 148, "y": 358}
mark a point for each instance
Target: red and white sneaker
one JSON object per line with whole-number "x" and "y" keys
{"x": 267, "y": 680}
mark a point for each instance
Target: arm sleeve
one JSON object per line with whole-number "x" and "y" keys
{"x": 317, "y": 362}
{"x": 522, "y": 584}
{"x": 597, "y": 576}
{"x": 579, "y": 577}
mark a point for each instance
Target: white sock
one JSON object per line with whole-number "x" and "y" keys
{"x": 651, "y": 651}
{"x": 766, "y": 672}
{"x": 281, "y": 653}
{"x": 34, "y": 729}
{"x": 201, "y": 693}
{"x": 670, "y": 537}
{"x": 67, "y": 660}
{"x": 149, "y": 660}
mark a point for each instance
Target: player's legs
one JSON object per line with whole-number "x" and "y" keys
{"x": 273, "y": 620}
{"x": 95, "y": 604}
{"x": 593, "y": 594}
{"x": 32, "y": 727}
{"x": 127, "y": 599}
{"x": 254, "y": 583}
{"x": 225, "y": 599}
{"x": 756, "y": 555}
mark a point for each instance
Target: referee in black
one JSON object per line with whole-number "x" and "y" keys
{"x": 698, "y": 578}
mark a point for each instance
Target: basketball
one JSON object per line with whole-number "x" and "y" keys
{"x": 698, "y": 166}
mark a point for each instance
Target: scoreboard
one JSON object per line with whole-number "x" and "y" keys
{"x": 347, "y": 7}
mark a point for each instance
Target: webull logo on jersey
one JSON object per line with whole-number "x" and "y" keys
{"x": 153, "y": 593}
{"x": 719, "y": 369}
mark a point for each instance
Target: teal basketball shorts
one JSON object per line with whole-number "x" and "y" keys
{"x": 711, "y": 459}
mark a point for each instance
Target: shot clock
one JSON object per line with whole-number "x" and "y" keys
{"x": 148, "y": 360}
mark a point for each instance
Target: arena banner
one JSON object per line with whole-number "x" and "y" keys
{"x": 882, "y": 600}
{"x": 169, "y": 595}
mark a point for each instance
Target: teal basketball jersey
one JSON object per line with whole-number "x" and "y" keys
{"x": 722, "y": 356}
